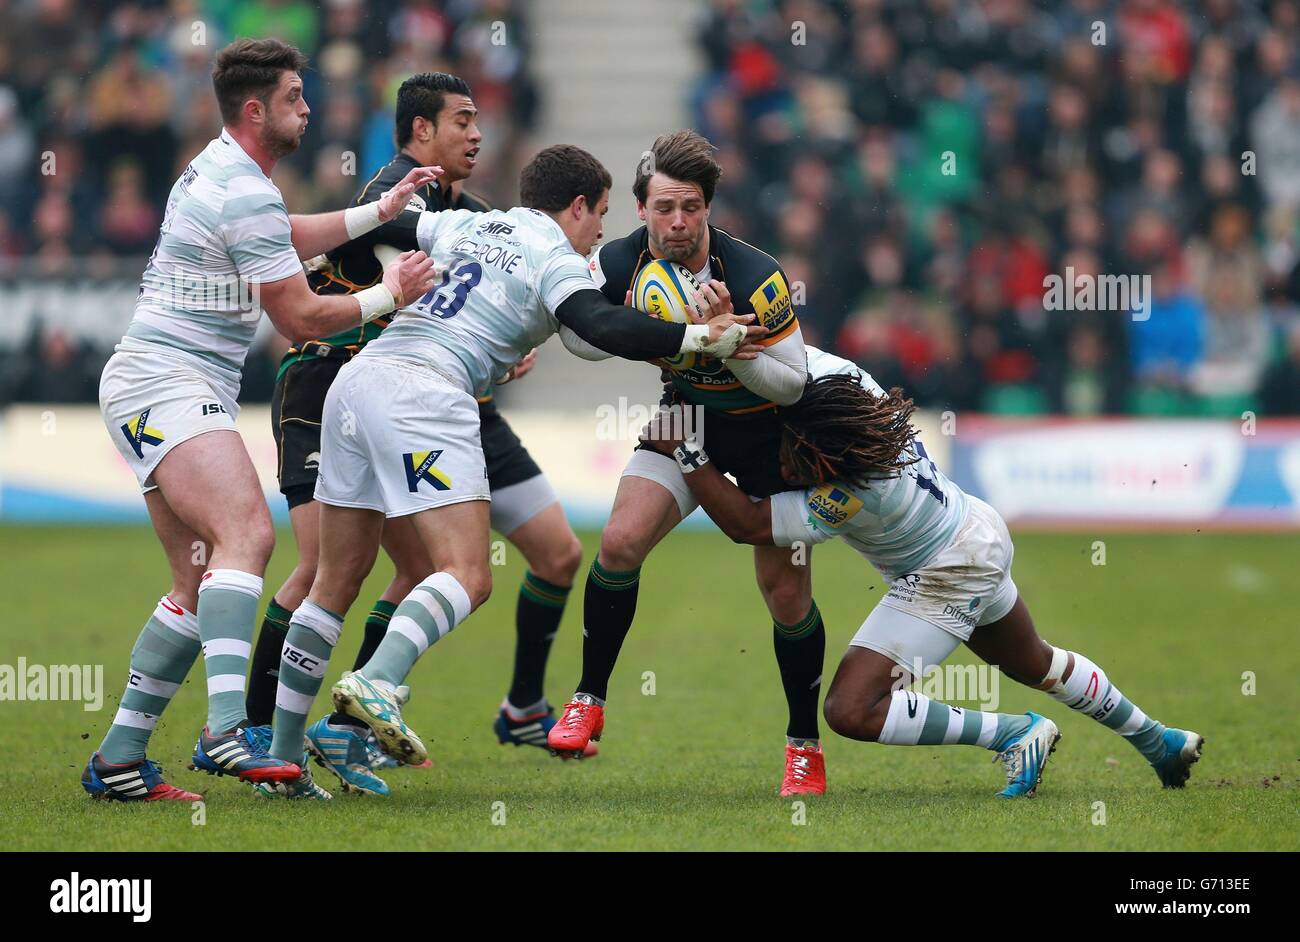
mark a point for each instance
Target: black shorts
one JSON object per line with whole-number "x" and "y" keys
{"x": 508, "y": 461}
{"x": 296, "y": 408}
{"x": 747, "y": 447}
{"x": 299, "y": 402}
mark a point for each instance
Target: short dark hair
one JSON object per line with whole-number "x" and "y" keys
{"x": 684, "y": 156}
{"x": 250, "y": 68}
{"x": 422, "y": 96}
{"x": 560, "y": 174}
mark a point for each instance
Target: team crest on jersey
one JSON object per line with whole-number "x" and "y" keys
{"x": 419, "y": 467}
{"x": 833, "y": 505}
{"x": 772, "y": 302}
{"x": 138, "y": 433}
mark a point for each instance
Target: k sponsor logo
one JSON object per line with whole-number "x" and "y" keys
{"x": 138, "y": 433}
{"x": 419, "y": 469}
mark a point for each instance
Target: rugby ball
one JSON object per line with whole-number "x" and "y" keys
{"x": 666, "y": 290}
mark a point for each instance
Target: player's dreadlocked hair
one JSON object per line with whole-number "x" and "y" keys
{"x": 840, "y": 431}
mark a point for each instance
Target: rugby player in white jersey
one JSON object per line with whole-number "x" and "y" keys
{"x": 400, "y": 432}
{"x": 227, "y": 250}
{"x": 866, "y": 477}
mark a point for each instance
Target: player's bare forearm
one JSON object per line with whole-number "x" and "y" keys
{"x": 301, "y": 315}
{"x": 318, "y": 233}
{"x": 741, "y": 519}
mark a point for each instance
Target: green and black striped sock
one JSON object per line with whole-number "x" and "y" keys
{"x": 264, "y": 674}
{"x": 537, "y": 619}
{"x": 376, "y": 627}
{"x": 800, "y": 652}
{"x": 608, "y": 608}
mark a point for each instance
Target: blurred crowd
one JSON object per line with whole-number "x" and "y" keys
{"x": 920, "y": 166}
{"x": 103, "y": 103}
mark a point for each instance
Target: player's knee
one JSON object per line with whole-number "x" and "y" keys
{"x": 405, "y": 580}
{"x": 621, "y": 548}
{"x": 259, "y": 542}
{"x": 560, "y": 565}
{"x": 843, "y": 716}
{"x": 482, "y": 590}
{"x": 855, "y": 717}
{"x": 788, "y": 597}
{"x": 477, "y": 583}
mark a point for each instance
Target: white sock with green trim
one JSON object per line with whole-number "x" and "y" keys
{"x": 313, "y": 633}
{"x": 228, "y": 604}
{"x": 916, "y": 720}
{"x": 434, "y": 607}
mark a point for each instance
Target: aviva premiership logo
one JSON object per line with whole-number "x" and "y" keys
{"x": 832, "y": 505}
{"x": 419, "y": 467}
{"x": 772, "y": 302}
{"x": 138, "y": 433}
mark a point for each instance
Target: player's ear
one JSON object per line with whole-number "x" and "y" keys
{"x": 640, "y": 210}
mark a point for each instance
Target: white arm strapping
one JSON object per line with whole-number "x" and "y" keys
{"x": 779, "y": 373}
{"x": 358, "y": 220}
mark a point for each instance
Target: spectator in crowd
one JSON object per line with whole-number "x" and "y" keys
{"x": 103, "y": 105}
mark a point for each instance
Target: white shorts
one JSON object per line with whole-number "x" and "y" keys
{"x": 966, "y": 584}
{"x": 663, "y": 470}
{"x": 399, "y": 439}
{"x": 516, "y": 504}
{"x": 152, "y": 402}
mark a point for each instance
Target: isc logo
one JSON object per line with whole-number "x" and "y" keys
{"x": 306, "y": 662}
{"x": 213, "y": 408}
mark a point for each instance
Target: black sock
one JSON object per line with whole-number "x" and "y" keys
{"x": 376, "y": 628}
{"x": 537, "y": 618}
{"x": 800, "y": 651}
{"x": 607, "y": 611}
{"x": 264, "y": 673}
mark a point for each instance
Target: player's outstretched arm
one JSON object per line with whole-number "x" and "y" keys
{"x": 300, "y": 314}
{"x": 318, "y": 233}
{"x": 780, "y": 374}
{"x": 629, "y": 334}
{"x": 741, "y": 519}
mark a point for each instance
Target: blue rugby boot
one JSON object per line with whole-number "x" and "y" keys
{"x": 239, "y": 753}
{"x": 1182, "y": 751}
{"x": 342, "y": 750}
{"x": 132, "y": 781}
{"x": 1025, "y": 757}
{"x": 531, "y": 730}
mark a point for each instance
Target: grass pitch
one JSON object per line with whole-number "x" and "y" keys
{"x": 1175, "y": 619}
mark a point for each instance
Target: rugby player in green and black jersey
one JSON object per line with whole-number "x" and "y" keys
{"x": 436, "y": 126}
{"x": 739, "y": 401}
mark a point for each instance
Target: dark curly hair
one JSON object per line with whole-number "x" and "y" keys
{"x": 839, "y": 431}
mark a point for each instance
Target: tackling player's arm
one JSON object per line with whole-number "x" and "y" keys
{"x": 318, "y": 233}
{"x": 741, "y": 519}
{"x": 629, "y": 334}
{"x": 566, "y": 288}
{"x": 300, "y": 314}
